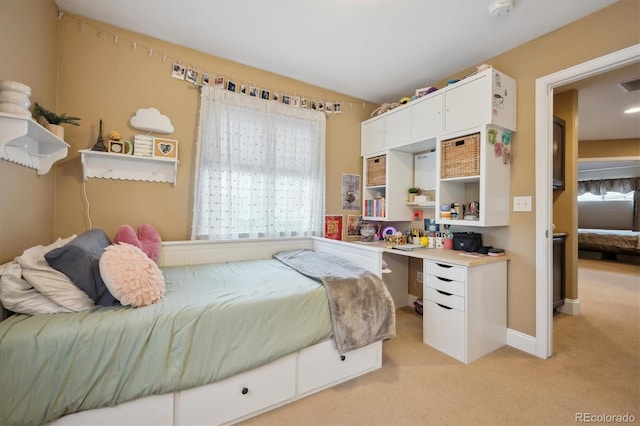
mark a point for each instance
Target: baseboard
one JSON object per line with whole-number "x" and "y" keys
{"x": 521, "y": 341}
{"x": 570, "y": 307}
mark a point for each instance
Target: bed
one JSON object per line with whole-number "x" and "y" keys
{"x": 271, "y": 340}
{"x": 606, "y": 227}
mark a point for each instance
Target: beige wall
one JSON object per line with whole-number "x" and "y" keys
{"x": 565, "y": 213}
{"x": 99, "y": 79}
{"x": 28, "y": 43}
{"x": 103, "y": 80}
{"x": 609, "y": 148}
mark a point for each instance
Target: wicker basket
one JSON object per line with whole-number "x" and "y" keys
{"x": 461, "y": 157}
{"x": 376, "y": 170}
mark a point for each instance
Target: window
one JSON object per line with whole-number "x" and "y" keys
{"x": 610, "y": 195}
{"x": 259, "y": 168}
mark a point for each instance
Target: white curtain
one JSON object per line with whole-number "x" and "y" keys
{"x": 260, "y": 168}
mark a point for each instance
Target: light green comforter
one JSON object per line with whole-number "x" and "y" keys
{"x": 215, "y": 321}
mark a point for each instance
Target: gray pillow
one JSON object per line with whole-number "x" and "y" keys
{"x": 80, "y": 261}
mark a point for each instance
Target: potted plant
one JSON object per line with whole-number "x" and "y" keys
{"x": 53, "y": 121}
{"x": 413, "y": 191}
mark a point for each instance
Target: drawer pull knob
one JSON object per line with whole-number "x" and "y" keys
{"x": 447, "y": 280}
{"x": 443, "y": 292}
{"x": 445, "y": 307}
{"x": 442, "y": 265}
{"x": 245, "y": 391}
{"x": 342, "y": 357}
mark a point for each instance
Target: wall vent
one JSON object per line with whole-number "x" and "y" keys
{"x": 630, "y": 86}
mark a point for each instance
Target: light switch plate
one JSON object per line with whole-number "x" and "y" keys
{"x": 522, "y": 204}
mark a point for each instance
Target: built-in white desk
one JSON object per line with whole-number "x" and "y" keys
{"x": 464, "y": 297}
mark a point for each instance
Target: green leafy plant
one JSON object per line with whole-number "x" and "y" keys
{"x": 53, "y": 118}
{"x": 413, "y": 190}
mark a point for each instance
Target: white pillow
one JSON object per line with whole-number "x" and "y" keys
{"x": 20, "y": 297}
{"x": 52, "y": 283}
{"x": 131, "y": 276}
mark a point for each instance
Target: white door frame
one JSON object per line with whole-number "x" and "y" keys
{"x": 544, "y": 203}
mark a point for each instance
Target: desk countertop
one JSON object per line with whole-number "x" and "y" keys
{"x": 440, "y": 255}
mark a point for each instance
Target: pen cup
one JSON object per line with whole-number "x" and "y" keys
{"x": 448, "y": 243}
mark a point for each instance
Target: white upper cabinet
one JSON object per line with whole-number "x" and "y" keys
{"x": 398, "y": 128}
{"x": 389, "y": 130}
{"x": 372, "y": 136}
{"x": 486, "y": 98}
{"x": 427, "y": 118}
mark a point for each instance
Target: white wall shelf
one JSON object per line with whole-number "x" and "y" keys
{"x": 109, "y": 165}
{"x": 25, "y": 142}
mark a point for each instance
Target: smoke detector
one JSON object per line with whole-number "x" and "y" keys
{"x": 500, "y": 7}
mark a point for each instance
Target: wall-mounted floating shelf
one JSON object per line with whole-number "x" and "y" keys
{"x": 109, "y": 165}
{"x": 25, "y": 142}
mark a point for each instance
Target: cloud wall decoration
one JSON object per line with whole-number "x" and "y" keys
{"x": 152, "y": 120}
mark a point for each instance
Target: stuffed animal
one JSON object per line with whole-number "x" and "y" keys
{"x": 384, "y": 108}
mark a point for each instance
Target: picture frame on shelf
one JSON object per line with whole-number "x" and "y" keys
{"x": 143, "y": 145}
{"x": 165, "y": 148}
{"x": 117, "y": 147}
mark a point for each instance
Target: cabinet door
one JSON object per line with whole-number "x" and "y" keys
{"x": 468, "y": 105}
{"x": 443, "y": 329}
{"x": 558, "y": 271}
{"x": 398, "y": 128}
{"x": 426, "y": 118}
{"x": 424, "y": 171}
{"x": 372, "y": 136}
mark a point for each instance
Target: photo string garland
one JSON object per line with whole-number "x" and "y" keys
{"x": 192, "y": 75}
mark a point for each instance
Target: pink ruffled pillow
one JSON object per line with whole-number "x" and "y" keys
{"x": 131, "y": 276}
{"x": 147, "y": 239}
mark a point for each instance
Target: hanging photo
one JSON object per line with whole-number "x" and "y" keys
{"x": 286, "y": 99}
{"x": 303, "y": 103}
{"x": 320, "y": 106}
{"x": 218, "y": 81}
{"x": 350, "y": 192}
{"x": 295, "y": 101}
{"x": 178, "y": 71}
{"x": 253, "y": 91}
{"x": 328, "y": 107}
{"x": 192, "y": 76}
{"x": 337, "y": 108}
{"x": 276, "y": 96}
{"x": 205, "y": 79}
{"x": 243, "y": 89}
{"x": 231, "y": 86}
{"x": 314, "y": 106}
{"x": 264, "y": 94}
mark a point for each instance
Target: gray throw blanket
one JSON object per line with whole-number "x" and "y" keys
{"x": 362, "y": 310}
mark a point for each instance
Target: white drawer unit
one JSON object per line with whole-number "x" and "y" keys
{"x": 239, "y": 395}
{"x": 320, "y": 366}
{"x": 465, "y": 308}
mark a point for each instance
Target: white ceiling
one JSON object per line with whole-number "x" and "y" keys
{"x": 376, "y": 50}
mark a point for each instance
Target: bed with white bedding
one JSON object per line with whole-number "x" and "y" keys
{"x": 231, "y": 338}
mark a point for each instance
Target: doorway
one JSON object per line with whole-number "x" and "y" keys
{"x": 544, "y": 160}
